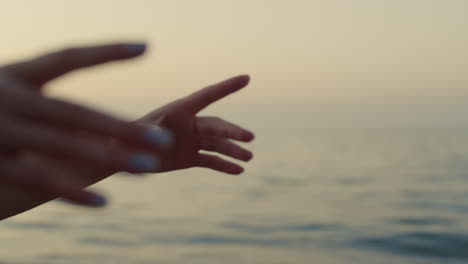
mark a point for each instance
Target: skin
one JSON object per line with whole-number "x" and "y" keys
{"x": 195, "y": 133}
{"x": 37, "y": 175}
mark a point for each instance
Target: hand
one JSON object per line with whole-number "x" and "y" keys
{"x": 31, "y": 122}
{"x": 194, "y": 134}
{"x": 191, "y": 133}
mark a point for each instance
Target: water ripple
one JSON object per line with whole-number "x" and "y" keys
{"x": 422, "y": 221}
{"x": 422, "y": 244}
{"x": 283, "y": 242}
{"x": 110, "y": 242}
{"x": 35, "y": 225}
{"x": 282, "y": 228}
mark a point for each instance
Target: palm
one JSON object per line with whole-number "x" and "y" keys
{"x": 185, "y": 147}
{"x": 193, "y": 133}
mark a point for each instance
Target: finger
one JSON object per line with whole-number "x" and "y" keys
{"x": 9, "y": 152}
{"x": 195, "y": 102}
{"x": 46, "y": 183}
{"x": 34, "y": 106}
{"x": 84, "y": 150}
{"x": 215, "y": 126}
{"x": 50, "y": 66}
{"x": 226, "y": 147}
{"x": 218, "y": 164}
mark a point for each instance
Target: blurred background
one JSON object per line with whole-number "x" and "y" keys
{"x": 359, "y": 109}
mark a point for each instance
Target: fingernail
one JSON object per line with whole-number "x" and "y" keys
{"x": 136, "y": 47}
{"x": 143, "y": 163}
{"x": 97, "y": 201}
{"x": 158, "y": 136}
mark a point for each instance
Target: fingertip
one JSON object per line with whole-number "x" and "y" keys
{"x": 245, "y": 78}
{"x": 248, "y": 156}
{"x": 236, "y": 170}
{"x": 96, "y": 200}
{"x": 248, "y": 136}
{"x": 85, "y": 198}
{"x": 136, "y": 48}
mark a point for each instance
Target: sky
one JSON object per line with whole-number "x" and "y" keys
{"x": 311, "y": 62}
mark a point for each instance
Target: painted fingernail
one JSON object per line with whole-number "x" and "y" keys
{"x": 136, "y": 47}
{"x": 143, "y": 162}
{"x": 97, "y": 201}
{"x": 158, "y": 136}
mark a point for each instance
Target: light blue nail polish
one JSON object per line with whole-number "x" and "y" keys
{"x": 97, "y": 201}
{"x": 158, "y": 136}
{"x": 136, "y": 48}
{"x": 143, "y": 163}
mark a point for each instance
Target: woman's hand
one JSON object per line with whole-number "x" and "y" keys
{"x": 194, "y": 133}
{"x": 190, "y": 135}
{"x": 31, "y": 122}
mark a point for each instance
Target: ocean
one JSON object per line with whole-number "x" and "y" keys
{"x": 310, "y": 195}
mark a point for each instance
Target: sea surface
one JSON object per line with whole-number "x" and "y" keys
{"x": 311, "y": 195}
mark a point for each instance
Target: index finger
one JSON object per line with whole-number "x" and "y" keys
{"x": 42, "y": 69}
{"x": 58, "y": 114}
{"x": 197, "y": 101}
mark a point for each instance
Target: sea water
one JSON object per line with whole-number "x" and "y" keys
{"x": 311, "y": 195}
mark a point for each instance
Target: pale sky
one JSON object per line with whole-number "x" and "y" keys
{"x": 309, "y": 60}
